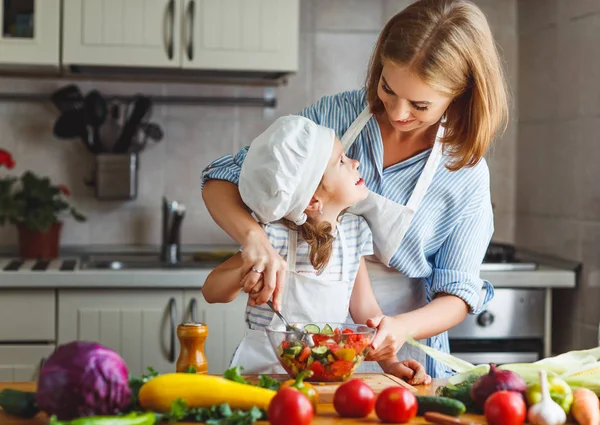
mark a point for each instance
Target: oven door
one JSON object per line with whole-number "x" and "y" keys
{"x": 498, "y": 357}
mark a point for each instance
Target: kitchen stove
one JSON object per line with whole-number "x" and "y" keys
{"x": 516, "y": 325}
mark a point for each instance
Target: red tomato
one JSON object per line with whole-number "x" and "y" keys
{"x": 505, "y": 408}
{"x": 317, "y": 369}
{"x": 396, "y": 405}
{"x": 341, "y": 367}
{"x": 290, "y": 406}
{"x": 354, "y": 399}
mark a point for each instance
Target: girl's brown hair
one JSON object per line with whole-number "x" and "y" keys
{"x": 319, "y": 238}
{"x": 449, "y": 45}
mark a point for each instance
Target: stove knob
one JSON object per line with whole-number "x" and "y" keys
{"x": 485, "y": 319}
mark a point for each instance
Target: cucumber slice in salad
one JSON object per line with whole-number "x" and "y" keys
{"x": 312, "y": 329}
{"x": 327, "y": 330}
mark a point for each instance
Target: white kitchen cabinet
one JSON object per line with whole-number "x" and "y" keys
{"x": 21, "y": 363}
{"x": 140, "y": 325}
{"x": 127, "y": 33}
{"x": 226, "y": 327}
{"x": 30, "y": 32}
{"x": 27, "y": 315}
{"x": 246, "y": 35}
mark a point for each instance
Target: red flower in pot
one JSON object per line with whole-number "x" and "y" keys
{"x": 34, "y": 205}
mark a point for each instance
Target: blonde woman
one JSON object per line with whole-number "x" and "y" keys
{"x": 434, "y": 99}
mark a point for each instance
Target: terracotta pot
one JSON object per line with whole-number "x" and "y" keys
{"x": 39, "y": 245}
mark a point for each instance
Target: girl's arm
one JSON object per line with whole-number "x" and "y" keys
{"x": 223, "y": 284}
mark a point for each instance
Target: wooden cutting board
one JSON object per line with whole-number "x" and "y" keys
{"x": 377, "y": 381}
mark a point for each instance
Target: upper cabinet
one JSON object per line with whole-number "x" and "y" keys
{"x": 30, "y": 32}
{"x": 232, "y": 35}
{"x": 243, "y": 35}
{"x": 122, "y": 33}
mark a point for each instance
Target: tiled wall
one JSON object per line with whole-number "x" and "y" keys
{"x": 337, "y": 37}
{"x": 558, "y": 192}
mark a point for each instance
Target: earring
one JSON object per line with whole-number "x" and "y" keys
{"x": 320, "y": 211}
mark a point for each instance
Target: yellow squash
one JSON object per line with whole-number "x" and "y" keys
{"x": 199, "y": 390}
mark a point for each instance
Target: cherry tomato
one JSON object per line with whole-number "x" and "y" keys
{"x": 290, "y": 406}
{"x": 505, "y": 408}
{"x": 354, "y": 399}
{"x": 396, "y": 405}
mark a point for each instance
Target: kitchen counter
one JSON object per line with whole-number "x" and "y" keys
{"x": 326, "y": 413}
{"x": 185, "y": 278}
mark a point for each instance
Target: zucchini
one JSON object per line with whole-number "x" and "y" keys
{"x": 199, "y": 390}
{"x": 312, "y": 329}
{"x": 445, "y": 405}
{"x": 18, "y": 403}
{"x": 327, "y": 330}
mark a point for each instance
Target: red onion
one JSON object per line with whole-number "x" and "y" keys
{"x": 496, "y": 380}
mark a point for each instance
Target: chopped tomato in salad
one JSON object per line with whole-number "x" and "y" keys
{"x": 334, "y": 357}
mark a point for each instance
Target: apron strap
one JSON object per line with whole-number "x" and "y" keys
{"x": 426, "y": 177}
{"x": 292, "y": 244}
{"x": 355, "y": 128}
{"x": 345, "y": 259}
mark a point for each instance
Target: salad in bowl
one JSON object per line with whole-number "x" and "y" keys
{"x": 332, "y": 351}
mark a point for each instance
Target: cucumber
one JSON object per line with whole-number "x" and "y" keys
{"x": 445, "y": 405}
{"x": 320, "y": 352}
{"x": 327, "y": 330}
{"x": 312, "y": 329}
{"x": 18, "y": 403}
{"x": 292, "y": 351}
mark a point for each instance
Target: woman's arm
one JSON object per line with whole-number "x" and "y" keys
{"x": 226, "y": 207}
{"x": 364, "y": 309}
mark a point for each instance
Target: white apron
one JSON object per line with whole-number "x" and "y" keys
{"x": 305, "y": 299}
{"x": 389, "y": 222}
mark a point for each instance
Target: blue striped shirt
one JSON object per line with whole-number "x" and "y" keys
{"x": 447, "y": 239}
{"x": 359, "y": 243}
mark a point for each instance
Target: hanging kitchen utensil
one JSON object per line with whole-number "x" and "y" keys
{"x": 141, "y": 108}
{"x": 95, "y": 115}
{"x": 67, "y": 98}
{"x": 70, "y": 125}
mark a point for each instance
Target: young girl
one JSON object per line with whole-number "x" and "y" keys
{"x": 298, "y": 182}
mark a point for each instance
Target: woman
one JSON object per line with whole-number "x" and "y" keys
{"x": 434, "y": 99}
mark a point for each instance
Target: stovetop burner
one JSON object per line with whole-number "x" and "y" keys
{"x": 500, "y": 257}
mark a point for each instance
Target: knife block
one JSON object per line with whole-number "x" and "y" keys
{"x": 116, "y": 176}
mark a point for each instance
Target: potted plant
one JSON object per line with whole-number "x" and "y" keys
{"x": 34, "y": 205}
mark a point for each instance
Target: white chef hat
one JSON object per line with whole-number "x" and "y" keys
{"x": 283, "y": 168}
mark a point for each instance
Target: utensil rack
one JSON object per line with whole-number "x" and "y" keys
{"x": 267, "y": 101}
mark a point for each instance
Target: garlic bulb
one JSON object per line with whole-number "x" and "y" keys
{"x": 547, "y": 411}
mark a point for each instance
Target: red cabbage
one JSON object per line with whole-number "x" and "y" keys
{"x": 83, "y": 379}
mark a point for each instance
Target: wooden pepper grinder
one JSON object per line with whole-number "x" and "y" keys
{"x": 191, "y": 337}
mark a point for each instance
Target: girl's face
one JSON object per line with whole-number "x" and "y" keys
{"x": 409, "y": 103}
{"x": 342, "y": 181}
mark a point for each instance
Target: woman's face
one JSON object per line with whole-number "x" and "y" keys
{"x": 409, "y": 103}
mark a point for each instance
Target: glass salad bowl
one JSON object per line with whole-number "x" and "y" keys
{"x": 332, "y": 351}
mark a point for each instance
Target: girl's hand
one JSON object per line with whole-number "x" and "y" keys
{"x": 388, "y": 338}
{"x": 410, "y": 370}
{"x": 263, "y": 270}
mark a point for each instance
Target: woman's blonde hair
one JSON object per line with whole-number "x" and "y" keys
{"x": 449, "y": 45}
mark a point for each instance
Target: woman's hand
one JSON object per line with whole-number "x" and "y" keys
{"x": 263, "y": 270}
{"x": 388, "y": 339}
{"x": 410, "y": 370}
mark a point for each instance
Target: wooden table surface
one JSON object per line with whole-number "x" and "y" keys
{"x": 326, "y": 414}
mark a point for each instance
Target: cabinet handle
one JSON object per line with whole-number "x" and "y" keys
{"x": 170, "y": 46}
{"x": 194, "y": 309}
{"x": 190, "y": 14}
{"x": 173, "y": 316}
